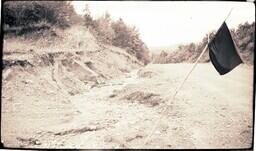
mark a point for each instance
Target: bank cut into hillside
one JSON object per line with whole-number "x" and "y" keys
{"x": 43, "y": 74}
{"x": 73, "y": 52}
{"x": 52, "y": 55}
{"x": 54, "y": 67}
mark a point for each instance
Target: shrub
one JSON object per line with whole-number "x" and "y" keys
{"x": 24, "y": 13}
{"x": 128, "y": 38}
{"x": 243, "y": 36}
{"x": 118, "y": 34}
{"x": 105, "y": 33}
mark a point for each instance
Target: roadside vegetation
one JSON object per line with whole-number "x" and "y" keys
{"x": 46, "y": 20}
{"x": 36, "y": 19}
{"x": 243, "y": 36}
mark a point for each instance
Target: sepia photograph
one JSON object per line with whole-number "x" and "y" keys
{"x": 127, "y": 75}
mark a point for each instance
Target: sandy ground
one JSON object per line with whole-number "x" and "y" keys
{"x": 210, "y": 111}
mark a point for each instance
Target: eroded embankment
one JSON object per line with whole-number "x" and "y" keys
{"x": 39, "y": 85}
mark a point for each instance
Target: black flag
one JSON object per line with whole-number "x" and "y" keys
{"x": 223, "y": 53}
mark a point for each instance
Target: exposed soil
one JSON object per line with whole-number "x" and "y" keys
{"x": 75, "y": 92}
{"x": 42, "y": 109}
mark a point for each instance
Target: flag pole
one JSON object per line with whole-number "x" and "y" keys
{"x": 177, "y": 90}
{"x": 228, "y": 14}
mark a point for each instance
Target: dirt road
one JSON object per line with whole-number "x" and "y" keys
{"x": 210, "y": 111}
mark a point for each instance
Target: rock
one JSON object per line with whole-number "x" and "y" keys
{"x": 27, "y": 81}
{"x": 37, "y": 142}
{"x": 112, "y": 95}
{"x": 6, "y": 73}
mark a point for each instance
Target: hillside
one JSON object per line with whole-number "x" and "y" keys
{"x": 75, "y": 50}
{"x": 49, "y": 56}
{"x": 78, "y": 82}
{"x": 243, "y": 36}
{"x": 72, "y": 64}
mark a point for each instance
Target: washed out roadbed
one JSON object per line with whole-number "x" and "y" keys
{"x": 210, "y": 111}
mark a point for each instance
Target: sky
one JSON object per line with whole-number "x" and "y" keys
{"x": 168, "y": 23}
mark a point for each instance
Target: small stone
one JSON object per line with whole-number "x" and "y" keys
{"x": 37, "y": 142}
{"x": 27, "y": 81}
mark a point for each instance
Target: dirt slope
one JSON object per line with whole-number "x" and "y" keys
{"x": 78, "y": 93}
{"x": 39, "y": 78}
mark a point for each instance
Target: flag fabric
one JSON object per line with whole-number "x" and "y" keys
{"x": 222, "y": 51}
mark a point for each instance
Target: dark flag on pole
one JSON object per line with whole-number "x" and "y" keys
{"x": 222, "y": 51}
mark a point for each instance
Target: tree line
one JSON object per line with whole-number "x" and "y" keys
{"x": 29, "y": 13}
{"x": 243, "y": 36}
{"x": 117, "y": 33}
{"x": 22, "y": 17}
